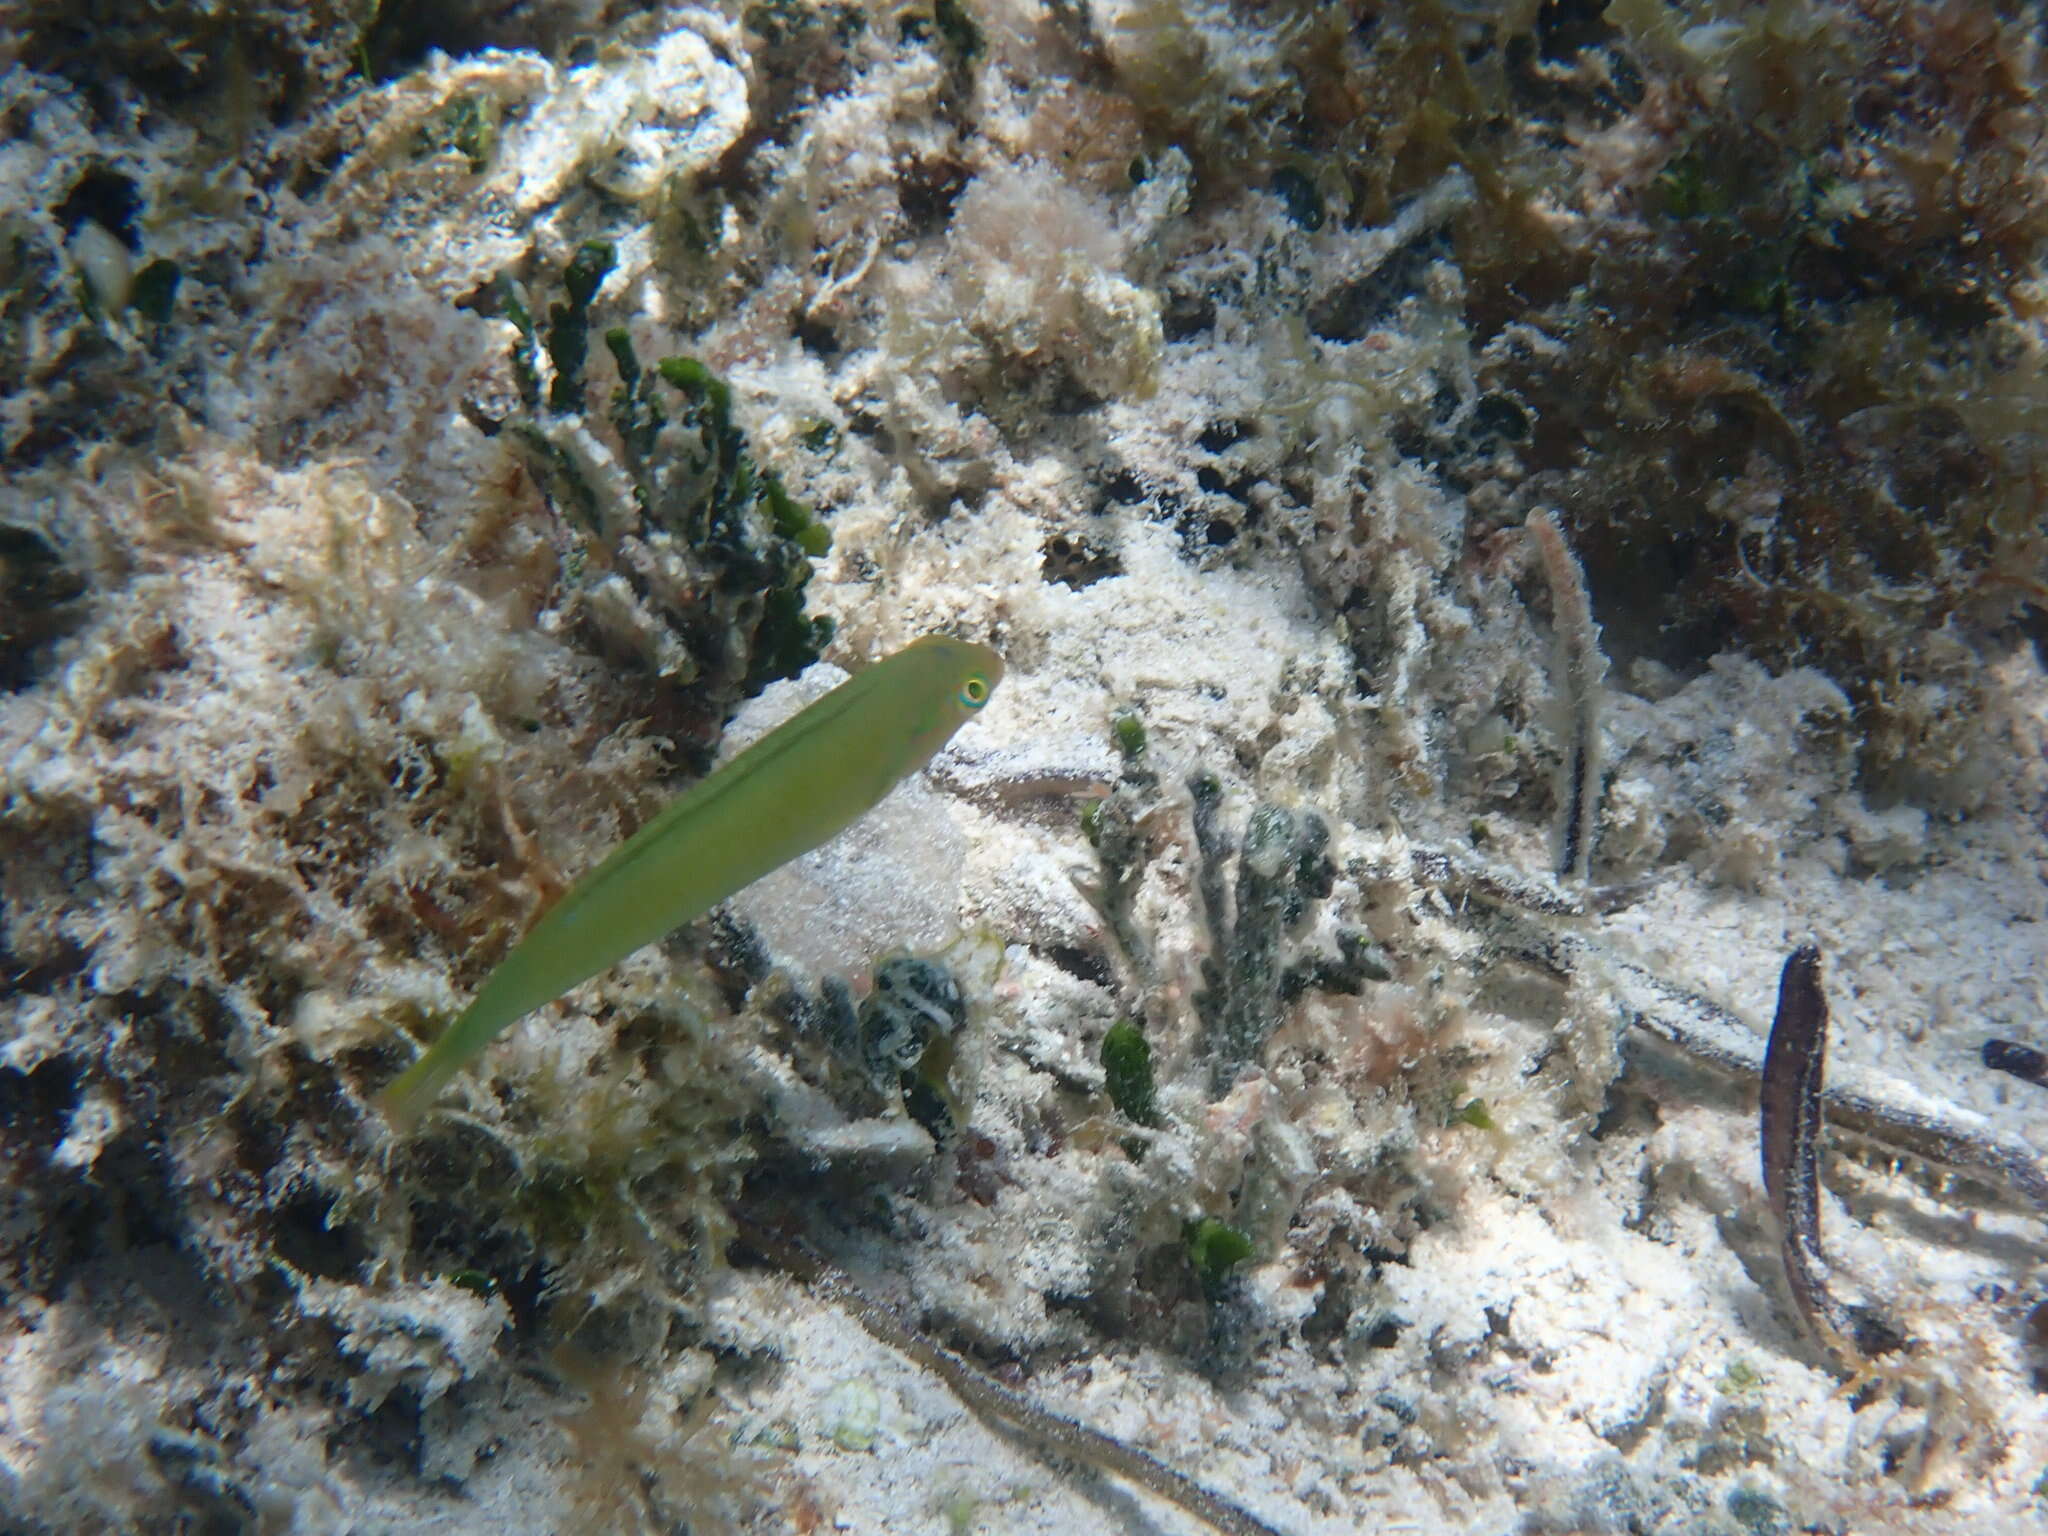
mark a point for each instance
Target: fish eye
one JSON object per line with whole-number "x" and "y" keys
{"x": 974, "y": 692}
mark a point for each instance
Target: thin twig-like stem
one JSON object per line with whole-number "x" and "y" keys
{"x": 1055, "y": 1433}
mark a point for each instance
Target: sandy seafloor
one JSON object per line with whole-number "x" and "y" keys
{"x": 1085, "y": 339}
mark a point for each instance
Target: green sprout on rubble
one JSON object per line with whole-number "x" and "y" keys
{"x": 468, "y": 125}
{"x": 1127, "y": 1071}
{"x": 1474, "y": 1114}
{"x": 1129, "y": 732}
{"x": 1214, "y": 1249}
{"x": 569, "y": 322}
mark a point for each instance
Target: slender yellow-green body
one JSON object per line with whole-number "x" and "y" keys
{"x": 801, "y": 784}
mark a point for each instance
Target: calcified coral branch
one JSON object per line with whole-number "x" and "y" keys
{"x": 1054, "y": 1433}
{"x": 1580, "y": 670}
